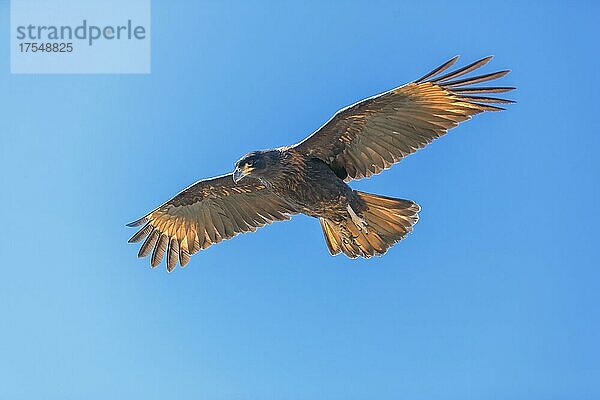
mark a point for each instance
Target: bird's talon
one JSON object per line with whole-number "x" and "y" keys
{"x": 360, "y": 223}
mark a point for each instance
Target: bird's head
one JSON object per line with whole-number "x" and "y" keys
{"x": 252, "y": 164}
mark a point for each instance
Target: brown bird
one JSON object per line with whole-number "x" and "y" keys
{"x": 310, "y": 177}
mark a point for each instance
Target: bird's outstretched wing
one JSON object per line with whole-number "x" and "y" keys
{"x": 367, "y": 137}
{"x": 205, "y": 213}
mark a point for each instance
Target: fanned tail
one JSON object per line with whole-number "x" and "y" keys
{"x": 385, "y": 221}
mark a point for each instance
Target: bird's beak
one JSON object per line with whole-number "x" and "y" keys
{"x": 238, "y": 174}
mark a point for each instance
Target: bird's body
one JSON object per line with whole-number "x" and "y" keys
{"x": 311, "y": 177}
{"x": 307, "y": 184}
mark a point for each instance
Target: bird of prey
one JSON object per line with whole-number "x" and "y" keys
{"x": 311, "y": 177}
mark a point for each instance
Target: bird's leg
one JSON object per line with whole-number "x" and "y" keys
{"x": 358, "y": 221}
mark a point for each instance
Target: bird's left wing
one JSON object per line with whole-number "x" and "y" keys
{"x": 206, "y": 213}
{"x": 365, "y": 138}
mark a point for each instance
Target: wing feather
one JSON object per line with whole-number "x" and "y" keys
{"x": 149, "y": 243}
{"x": 172, "y": 254}
{"x": 142, "y": 233}
{"x": 371, "y": 135}
{"x": 159, "y": 250}
{"x": 206, "y": 213}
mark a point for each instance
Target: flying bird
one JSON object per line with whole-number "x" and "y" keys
{"x": 311, "y": 177}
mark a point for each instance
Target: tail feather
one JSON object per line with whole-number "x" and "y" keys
{"x": 388, "y": 221}
{"x": 331, "y": 238}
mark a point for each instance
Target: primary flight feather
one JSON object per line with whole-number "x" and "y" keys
{"x": 310, "y": 177}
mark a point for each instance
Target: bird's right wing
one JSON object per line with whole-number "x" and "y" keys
{"x": 206, "y": 213}
{"x": 365, "y": 138}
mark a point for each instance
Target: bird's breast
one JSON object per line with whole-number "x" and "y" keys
{"x": 314, "y": 190}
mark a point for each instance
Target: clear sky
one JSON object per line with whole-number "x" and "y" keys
{"x": 494, "y": 296}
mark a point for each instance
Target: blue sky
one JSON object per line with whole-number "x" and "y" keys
{"x": 495, "y": 294}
